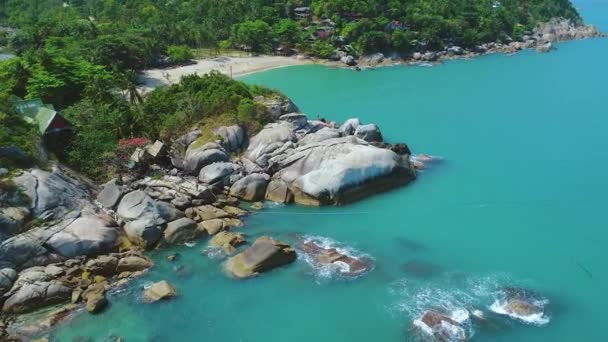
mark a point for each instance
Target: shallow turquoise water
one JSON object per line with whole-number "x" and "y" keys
{"x": 520, "y": 200}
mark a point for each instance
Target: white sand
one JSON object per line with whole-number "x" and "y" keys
{"x": 235, "y": 66}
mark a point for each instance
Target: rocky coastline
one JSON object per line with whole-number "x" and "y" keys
{"x": 542, "y": 38}
{"x": 66, "y": 241}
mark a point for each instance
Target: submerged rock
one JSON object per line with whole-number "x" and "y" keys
{"x": 264, "y": 255}
{"x": 441, "y": 327}
{"x": 521, "y": 304}
{"x": 331, "y": 256}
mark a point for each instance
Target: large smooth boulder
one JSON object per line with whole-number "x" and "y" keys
{"x": 180, "y": 231}
{"x": 7, "y": 278}
{"x": 278, "y": 191}
{"x": 53, "y": 194}
{"x": 342, "y": 170}
{"x": 96, "y": 302}
{"x": 110, "y": 194}
{"x": 251, "y": 188}
{"x": 228, "y": 241}
{"x": 160, "y": 291}
{"x": 271, "y": 137}
{"x": 298, "y": 120}
{"x": 146, "y": 218}
{"x": 32, "y": 296}
{"x": 264, "y": 255}
{"x": 89, "y": 235}
{"x": 179, "y": 146}
{"x": 198, "y": 157}
{"x": 369, "y": 133}
{"x": 217, "y": 172}
{"x": 232, "y": 137}
{"x": 133, "y": 263}
{"x": 349, "y": 126}
{"x": 104, "y": 265}
{"x": 323, "y": 134}
{"x": 209, "y": 212}
{"x": 12, "y": 220}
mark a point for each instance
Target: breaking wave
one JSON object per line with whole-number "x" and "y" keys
{"x": 338, "y": 268}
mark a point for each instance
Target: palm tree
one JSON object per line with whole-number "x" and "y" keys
{"x": 129, "y": 82}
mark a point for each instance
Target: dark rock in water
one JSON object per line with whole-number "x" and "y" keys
{"x": 420, "y": 268}
{"x": 523, "y": 304}
{"x": 328, "y": 256}
{"x": 410, "y": 244}
{"x": 401, "y": 149}
{"x": 440, "y": 327}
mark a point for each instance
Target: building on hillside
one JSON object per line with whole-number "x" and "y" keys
{"x": 395, "y": 25}
{"x": 302, "y": 13}
{"x": 42, "y": 115}
{"x": 284, "y": 51}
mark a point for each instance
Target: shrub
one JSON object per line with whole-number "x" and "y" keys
{"x": 180, "y": 53}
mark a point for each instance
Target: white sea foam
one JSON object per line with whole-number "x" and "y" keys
{"x": 336, "y": 268}
{"x": 189, "y": 244}
{"x": 538, "y": 319}
{"x": 214, "y": 252}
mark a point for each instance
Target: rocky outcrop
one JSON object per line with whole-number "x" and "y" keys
{"x": 31, "y": 296}
{"x": 133, "y": 264}
{"x": 440, "y": 327}
{"x": 350, "y": 126}
{"x": 228, "y": 241}
{"x": 278, "y": 191}
{"x": 88, "y": 235}
{"x": 268, "y": 140}
{"x": 53, "y": 194}
{"x": 110, "y": 194}
{"x": 7, "y": 278}
{"x": 159, "y": 291}
{"x": 180, "y": 231}
{"x": 218, "y": 172}
{"x": 146, "y": 218}
{"x": 104, "y": 265}
{"x": 369, "y": 133}
{"x": 251, "y": 188}
{"x": 277, "y": 106}
{"x": 342, "y": 170}
{"x": 264, "y": 255}
{"x": 198, "y": 157}
{"x": 231, "y": 137}
{"x": 323, "y": 256}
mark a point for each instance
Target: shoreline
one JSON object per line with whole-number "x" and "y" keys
{"x": 239, "y": 67}
{"x": 233, "y": 66}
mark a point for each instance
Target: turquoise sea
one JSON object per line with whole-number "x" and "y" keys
{"x": 520, "y": 200}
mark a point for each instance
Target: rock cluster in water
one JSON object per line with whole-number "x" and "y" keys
{"x": 63, "y": 240}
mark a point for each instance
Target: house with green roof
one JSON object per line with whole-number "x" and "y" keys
{"x": 42, "y": 115}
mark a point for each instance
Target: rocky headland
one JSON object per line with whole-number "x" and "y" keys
{"x": 65, "y": 240}
{"x": 542, "y": 38}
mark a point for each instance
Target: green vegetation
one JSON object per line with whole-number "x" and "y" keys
{"x": 84, "y": 57}
{"x": 16, "y": 132}
{"x": 180, "y": 53}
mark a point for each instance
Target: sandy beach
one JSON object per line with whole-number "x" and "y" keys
{"x": 235, "y": 66}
